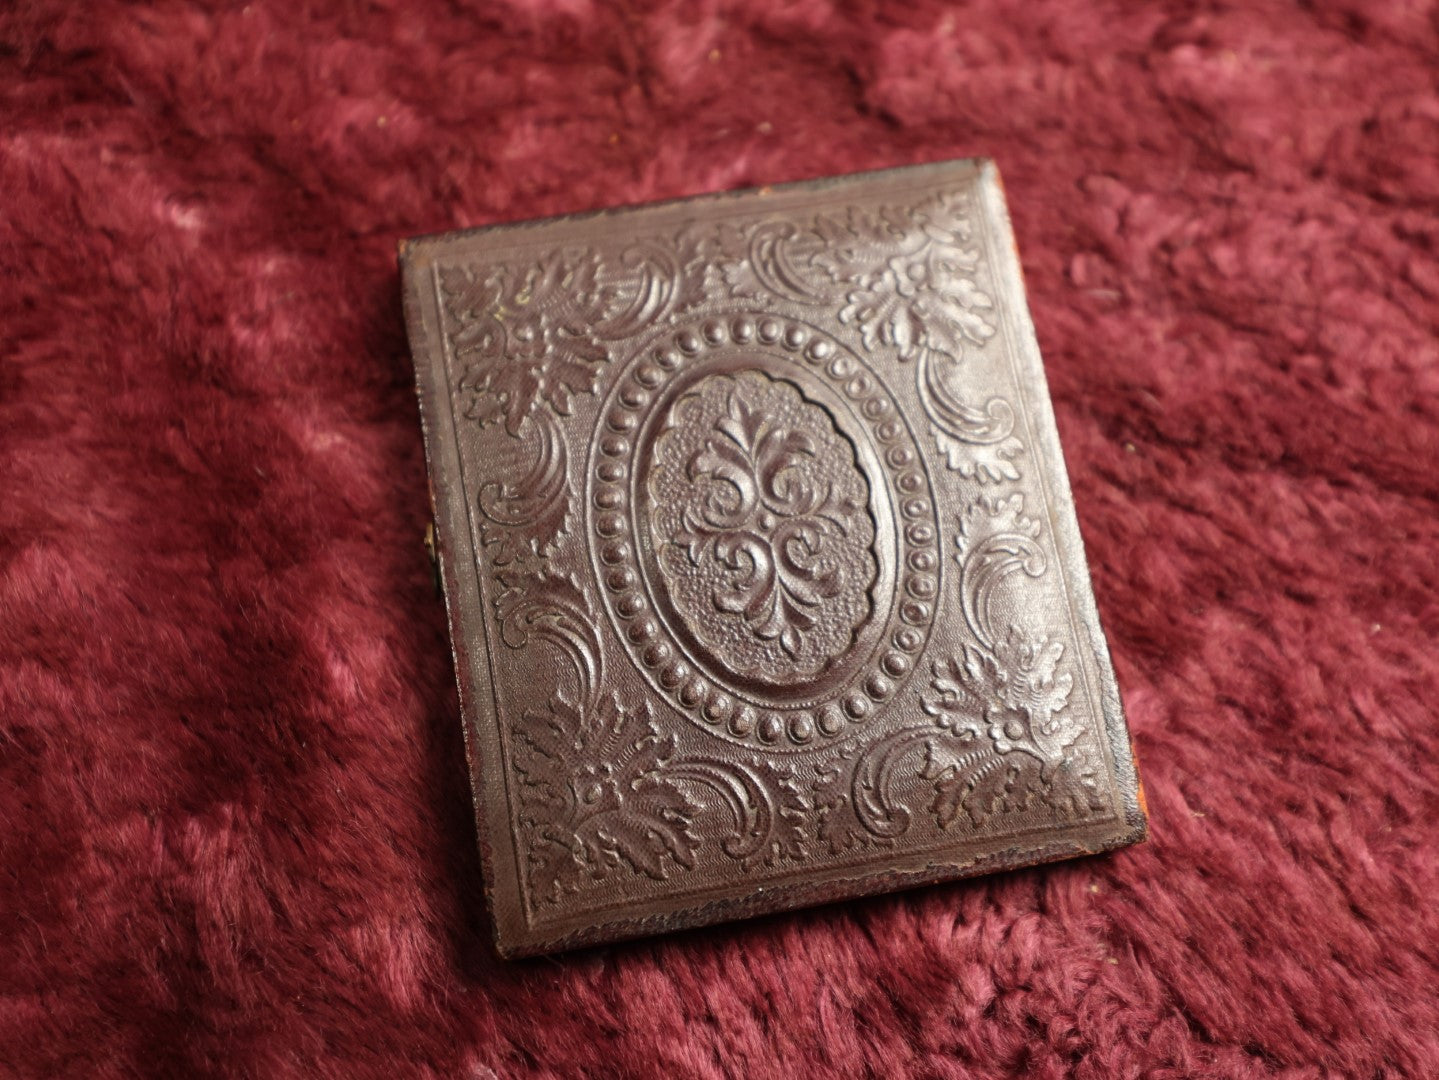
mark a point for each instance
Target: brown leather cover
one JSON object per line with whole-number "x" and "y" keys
{"x": 764, "y": 580}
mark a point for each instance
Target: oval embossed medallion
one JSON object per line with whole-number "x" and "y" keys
{"x": 763, "y": 528}
{"x": 760, "y": 519}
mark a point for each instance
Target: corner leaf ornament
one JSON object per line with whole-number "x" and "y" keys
{"x": 907, "y": 281}
{"x": 597, "y": 796}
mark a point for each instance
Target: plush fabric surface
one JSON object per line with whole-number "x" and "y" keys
{"x": 234, "y": 831}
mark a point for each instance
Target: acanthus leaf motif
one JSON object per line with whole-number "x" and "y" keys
{"x": 840, "y": 825}
{"x": 763, "y": 800}
{"x": 524, "y": 514}
{"x": 1078, "y": 786}
{"x": 530, "y": 337}
{"x": 789, "y": 836}
{"x": 907, "y": 280}
{"x": 977, "y": 442}
{"x": 597, "y": 796}
{"x": 525, "y": 335}
{"x": 1013, "y": 696}
{"x": 534, "y": 604}
{"x": 1003, "y": 740}
{"x": 980, "y": 785}
{"x": 757, "y": 525}
{"x": 765, "y": 522}
{"x": 996, "y": 540}
{"x": 603, "y": 789}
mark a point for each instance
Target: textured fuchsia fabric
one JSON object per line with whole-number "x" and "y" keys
{"x": 234, "y": 834}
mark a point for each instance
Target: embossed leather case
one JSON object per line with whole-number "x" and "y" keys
{"x": 764, "y": 580}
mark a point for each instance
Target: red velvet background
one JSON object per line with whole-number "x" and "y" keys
{"x": 234, "y": 834}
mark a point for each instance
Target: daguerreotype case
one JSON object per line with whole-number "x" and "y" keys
{"x": 763, "y": 575}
